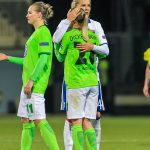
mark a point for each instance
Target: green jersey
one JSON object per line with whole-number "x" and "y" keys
{"x": 40, "y": 42}
{"x": 80, "y": 67}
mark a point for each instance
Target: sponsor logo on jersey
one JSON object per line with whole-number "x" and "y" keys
{"x": 76, "y": 37}
{"x": 44, "y": 44}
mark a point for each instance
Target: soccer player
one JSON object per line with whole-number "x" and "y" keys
{"x": 68, "y": 142}
{"x": 81, "y": 80}
{"x": 36, "y": 70}
{"x": 102, "y": 49}
{"x": 147, "y": 73}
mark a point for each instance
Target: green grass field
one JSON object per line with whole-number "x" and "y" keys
{"x": 118, "y": 133}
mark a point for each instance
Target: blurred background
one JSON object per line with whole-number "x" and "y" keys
{"x": 127, "y": 27}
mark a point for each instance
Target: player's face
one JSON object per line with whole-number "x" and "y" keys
{"x": 32, "y": 15}
{"x": 86, "y": 6}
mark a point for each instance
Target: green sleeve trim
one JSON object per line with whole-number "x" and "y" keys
{"x": 60, "y": 57}
{"x": 48, "y": 53}
{"x": 101, "y": 56}
{"x": 16, "y": 60}
{"x": 39, "y": 67}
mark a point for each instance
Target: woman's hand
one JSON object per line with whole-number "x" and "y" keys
{"x": 28, "y": 88}
{"x": 3, "y": 57}
{"x": 146, "y": 91}
{"x": 85, "y": 47}
{"x": 72, "y": 14}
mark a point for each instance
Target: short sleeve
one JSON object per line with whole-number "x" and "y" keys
{"x": 44, "y": 42}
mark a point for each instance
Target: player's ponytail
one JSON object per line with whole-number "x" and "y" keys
{"x": 45, "y": 9}
{"x": 85, "y": 29}
{"x": 82, "y": 19}
{"x": 85, "y": 21}
{"x": 49, "y": 11}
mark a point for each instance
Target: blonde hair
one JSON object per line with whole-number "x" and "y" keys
{"x": 74, "y": 3}
{"x": 84, "y": 29}
{"x": 45, "y": 9}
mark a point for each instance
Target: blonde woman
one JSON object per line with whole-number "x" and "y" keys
{"x": 81, "y": 81}
{"x": 36, "y": 70}
{"x": 101, "y": 49}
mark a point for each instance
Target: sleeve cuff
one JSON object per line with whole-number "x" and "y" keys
{"x": 10, "y": 58}
{"x": 33, "y": 79}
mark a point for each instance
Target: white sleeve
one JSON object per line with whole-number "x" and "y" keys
{"x": 103, "y": 48}
{"x": 60, "y": 31}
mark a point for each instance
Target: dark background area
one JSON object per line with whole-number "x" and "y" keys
{"x": 126, "y": 24}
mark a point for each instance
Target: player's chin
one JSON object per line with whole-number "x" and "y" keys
{"x": 29, "y": 22}
{"x": 87, "y": 14}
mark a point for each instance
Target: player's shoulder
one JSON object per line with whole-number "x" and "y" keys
{"x": 44, "y": 27}
{"x": 44, "y": 30}
{"x": 72, "y": 31}
{"x": 96, "y": 25}
{"x": 67, "y": 34}
{"x": 91, "y": 32}
{"x": 94, "y": 22}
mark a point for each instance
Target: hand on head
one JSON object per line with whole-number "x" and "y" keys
{"x": 73, "y": 13}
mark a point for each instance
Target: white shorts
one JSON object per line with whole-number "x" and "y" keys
{"x": 33, "y": 107}
{"x": 82, "y": 102}
{"x": 64, "y": 102}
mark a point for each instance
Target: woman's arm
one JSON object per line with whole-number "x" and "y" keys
{"x": 60, "y": 57}
{"x": 102, "y": 47}
{"x": 64, "y": 24}
{"x": 61, "y": 30}
{"x": 37, "y": 72}
{"x": 15, "y": 60}
{"x": 146, "y": 82}
{"x": 39, "y": 67}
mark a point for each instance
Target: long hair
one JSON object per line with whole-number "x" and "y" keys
{"x": 84, "y": 29}
{"x": 82, "y": 19}
{"x": 74, "y": 3}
